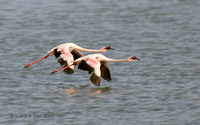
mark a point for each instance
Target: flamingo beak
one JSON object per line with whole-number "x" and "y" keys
{"x": 137, "y": 59}
{"x": 111, "y": 48}
{"x": 108, "y": 47}
{"x": 134, "y": 57}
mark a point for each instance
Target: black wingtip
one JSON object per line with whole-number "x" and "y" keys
{"x": 95, "y": 79}
{"x": 57, "y": 53}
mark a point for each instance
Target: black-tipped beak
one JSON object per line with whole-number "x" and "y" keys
{"x": 109, "y": 47}
{"x": 134, "y": 57}
{"x": 138, "y": 59}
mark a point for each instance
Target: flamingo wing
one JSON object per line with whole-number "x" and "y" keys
{"x": 57, "y": 53}
{"x": 105, "y": 71}
{"x": 66, "y": 60}
{"x": 95, "y": 76}
{"x": 62, "y": 62}
{"x": 84, "y": 66}
{"x": 76, "y": 54}
{"x": 91, "y": 65}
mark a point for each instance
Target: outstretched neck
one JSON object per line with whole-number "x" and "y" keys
{"x": 90, "y": 50}
{"x": 117, "y": 60}
{"x": 87, "y": 50}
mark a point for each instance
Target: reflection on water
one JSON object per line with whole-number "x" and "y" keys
{"x": 70, "y": 91}
{"x": 82, "y": 89}
{"x": 100, "y": 90}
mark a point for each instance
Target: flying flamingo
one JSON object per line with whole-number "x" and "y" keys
{"x": 97, "y": 64}
{"x": 68, "y": 52}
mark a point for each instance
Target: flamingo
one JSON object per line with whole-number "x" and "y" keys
{"x": 68, "y": 52}
{"x": 97, "y": 64}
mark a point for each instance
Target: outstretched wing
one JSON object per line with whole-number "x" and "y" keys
{"x": 105, "y": 71}
{"x": 65, "y": 60}
{"x": 64, "y": 63}
{"x": 91, "y": 65}
{"x": 57, "y": 53}
{"x": 84, "y": 66}
{"x": 76, "y": 54}
{"x": 95, "y": 79}
{"x": 95, "y": 76}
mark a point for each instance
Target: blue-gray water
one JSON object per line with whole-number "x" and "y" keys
{"x": 161, "y": 89}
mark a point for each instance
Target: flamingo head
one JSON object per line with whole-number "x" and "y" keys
{"x": 107, "y": 48}
{"x": 133, "y": 58}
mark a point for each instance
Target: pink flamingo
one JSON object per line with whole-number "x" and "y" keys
{"x": 97, "y": 64}
{"x": 68, "y": 52}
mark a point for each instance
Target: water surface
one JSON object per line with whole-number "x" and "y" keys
{"x": 162, "y": 88}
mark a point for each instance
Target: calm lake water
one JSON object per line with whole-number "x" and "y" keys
{"x": 161, "y": 89}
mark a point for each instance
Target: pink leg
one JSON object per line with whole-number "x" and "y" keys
{"x": 61, "y": 68}
{"x": 38, "y": 60}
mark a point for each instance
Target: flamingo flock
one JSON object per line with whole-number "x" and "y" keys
{"x": 96, "y": 64}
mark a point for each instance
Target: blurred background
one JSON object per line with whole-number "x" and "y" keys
{"x": 162, "y": 88}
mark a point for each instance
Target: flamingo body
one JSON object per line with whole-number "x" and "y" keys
{"x": 97, "y": 65}
{"x": 68, "y": 52}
